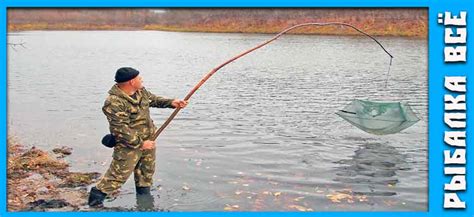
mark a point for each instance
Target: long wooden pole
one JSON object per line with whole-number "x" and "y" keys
{"x": 209, "y": 74}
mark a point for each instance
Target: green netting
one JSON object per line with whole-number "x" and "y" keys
{"x": 379, "y": 118}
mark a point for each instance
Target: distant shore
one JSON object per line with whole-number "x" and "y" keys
{"x": 415, "y": 28}
{"x": 399, "y": 22}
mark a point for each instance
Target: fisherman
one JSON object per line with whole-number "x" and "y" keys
{"x": 127, "y": 110}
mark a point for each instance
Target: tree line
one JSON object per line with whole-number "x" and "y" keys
{"x": 216, "y": 19}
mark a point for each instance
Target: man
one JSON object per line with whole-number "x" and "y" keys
{"x": 127, "y": 110}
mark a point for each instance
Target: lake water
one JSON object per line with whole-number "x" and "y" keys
{"x": 260, "y": 135}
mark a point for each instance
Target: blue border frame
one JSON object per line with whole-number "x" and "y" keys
{"x": 437, "y": 70}
{"x": 3, "y": 108}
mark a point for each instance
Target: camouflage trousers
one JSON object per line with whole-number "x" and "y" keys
{"x": 125, "y": 161}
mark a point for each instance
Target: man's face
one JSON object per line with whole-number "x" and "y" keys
{"x": 137, "y": 82}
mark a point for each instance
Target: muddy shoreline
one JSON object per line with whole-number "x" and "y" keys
{"x": 39, "y": 180}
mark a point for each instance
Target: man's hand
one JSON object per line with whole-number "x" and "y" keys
{"x": 148, "y": 144}
{"x": 177, "y": 103}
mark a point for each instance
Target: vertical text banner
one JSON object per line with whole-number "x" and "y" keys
{"x": 450, "y": 80}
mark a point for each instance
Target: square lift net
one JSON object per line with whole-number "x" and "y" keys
{"x": 379, "y": 118}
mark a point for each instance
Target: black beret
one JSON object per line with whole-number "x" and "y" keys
{"x": 125, "y": 74}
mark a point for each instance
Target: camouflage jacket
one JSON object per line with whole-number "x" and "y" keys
{"x": 129, "y": 118}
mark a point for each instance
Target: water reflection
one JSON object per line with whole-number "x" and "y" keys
{"x": 372, "y": 170}
{"x": 145, "y": 202}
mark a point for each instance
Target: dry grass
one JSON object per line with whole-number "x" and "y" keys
{"x": 412, "y": 28}
{"x": 405, "y": 28}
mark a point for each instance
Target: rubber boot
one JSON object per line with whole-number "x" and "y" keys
{"x": 145, "y": 201}
{"x": 143, "y": 190}
{"x": 96, "y": 198}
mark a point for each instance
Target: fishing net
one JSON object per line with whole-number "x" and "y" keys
{"x": 379, "y": 118}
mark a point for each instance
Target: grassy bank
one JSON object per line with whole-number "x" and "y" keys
{"x": 414, "y": 28}
{"x": 68, "y": 26}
